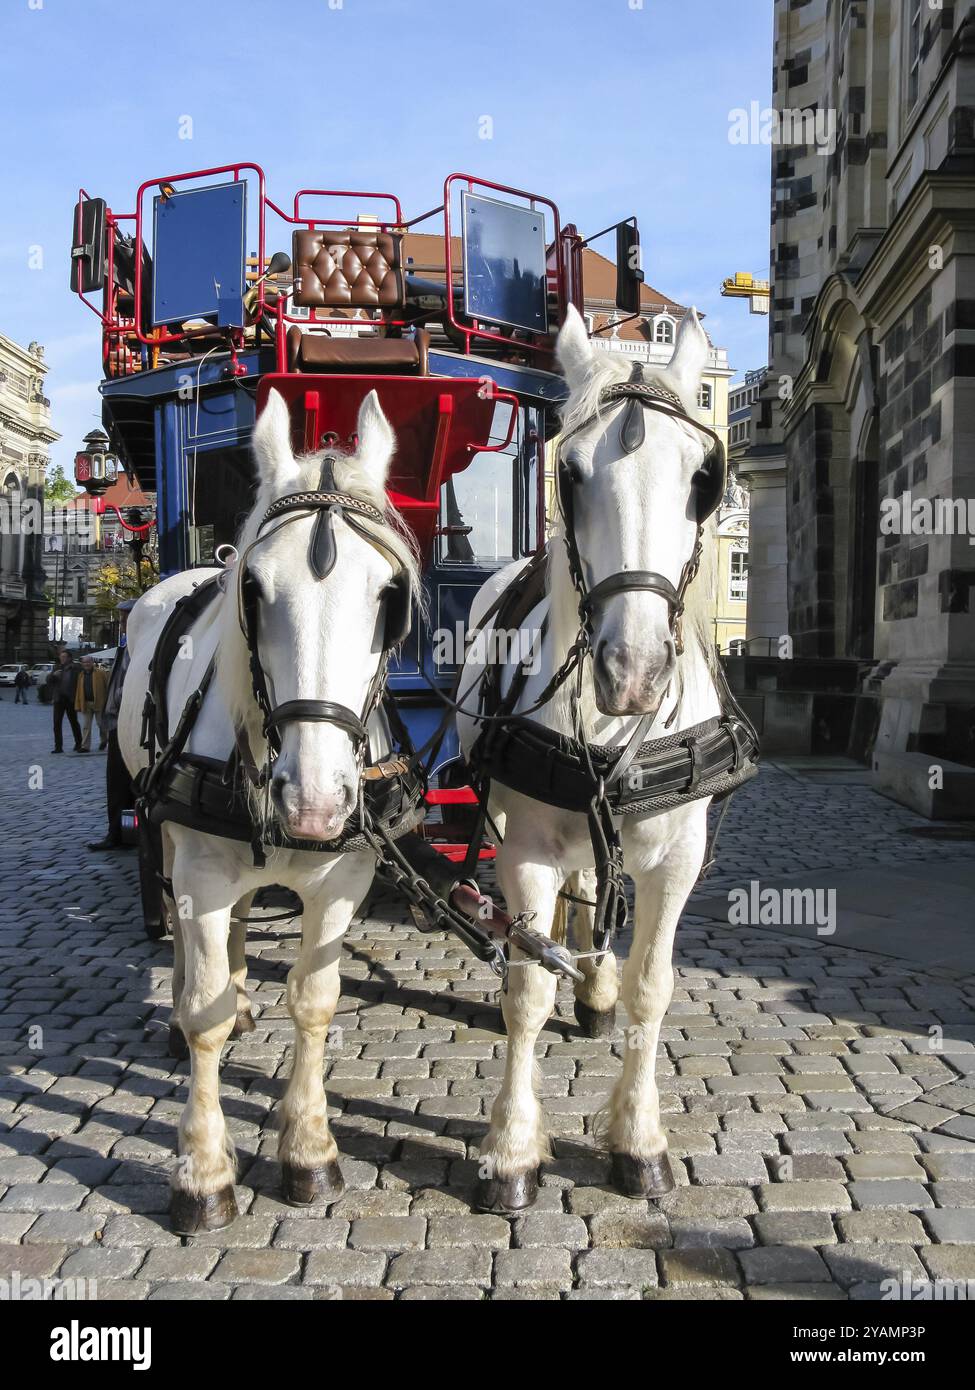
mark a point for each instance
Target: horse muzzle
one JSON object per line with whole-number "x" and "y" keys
{"x": 630, "y": 681}
{"x": 304, "y": 817}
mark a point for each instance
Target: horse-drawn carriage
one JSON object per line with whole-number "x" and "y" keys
{"x": 347, "y": 444}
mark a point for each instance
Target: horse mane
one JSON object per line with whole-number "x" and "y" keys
{"x": 700, "y": 657}
{"x": 232, "y": 672}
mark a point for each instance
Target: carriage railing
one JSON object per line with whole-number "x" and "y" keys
{"x": 130, "y": 343}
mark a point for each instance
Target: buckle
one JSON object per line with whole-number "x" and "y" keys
{"x": 693, "y": 747}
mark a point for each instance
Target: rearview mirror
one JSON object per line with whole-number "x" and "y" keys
{"x": 629, "y": 273}
{"x": 88, "y": 246}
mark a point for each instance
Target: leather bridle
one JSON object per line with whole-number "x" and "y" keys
{"x": 330, "y": 504}
{"x": 640, "y": 396}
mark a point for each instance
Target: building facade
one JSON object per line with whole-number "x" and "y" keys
{"x": 870, "y": 403}
{"x": 741, "y": 398}
{"x": 85, "y": 546}
{"x": 25, "y": 439}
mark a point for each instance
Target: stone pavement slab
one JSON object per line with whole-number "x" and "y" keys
{"x": 819, "y": 1092}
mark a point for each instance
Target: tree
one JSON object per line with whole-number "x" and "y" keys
{"x": 115, "y": 580}
{"x": 57, "y": 487}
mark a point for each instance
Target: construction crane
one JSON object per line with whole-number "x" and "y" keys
{"x": 742, "y": 285}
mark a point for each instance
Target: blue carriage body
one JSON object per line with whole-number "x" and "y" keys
{"x": 193, "y": 339}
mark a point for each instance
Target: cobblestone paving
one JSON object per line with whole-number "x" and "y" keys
{"x": 820, "y": 1101}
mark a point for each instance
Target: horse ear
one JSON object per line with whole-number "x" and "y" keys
{"x": 272, "y": 444}
{"x": 573, "y": 349}
{"x": 690, "y": 357}
{"x": 377, "y": 442}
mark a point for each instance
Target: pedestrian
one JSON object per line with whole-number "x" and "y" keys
{"x": 63, "y": 682}
{"x": 119, "y": 793}
{"x": 89, "y": 702}
{"x": 22, "y": 684}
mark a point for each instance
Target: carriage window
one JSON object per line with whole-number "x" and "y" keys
{"x": 220, "y": 486}
{"x": 479, "y": 507}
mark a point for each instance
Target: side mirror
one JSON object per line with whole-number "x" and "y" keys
{"x": 629, "y": 273}
{"x": 88, "y": 246}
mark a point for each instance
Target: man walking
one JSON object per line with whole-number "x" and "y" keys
{"x": 22, "y": 683}
{"x": 89, "y": 702}
{"x": 118, "y": 786}
{"x": 63, "y": 681}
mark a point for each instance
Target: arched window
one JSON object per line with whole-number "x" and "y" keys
{"x": 663, "y": 330}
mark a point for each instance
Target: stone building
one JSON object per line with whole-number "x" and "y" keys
{"x": 81, "y": 538}
{"x": 25, "y": 438}
{"x": 870, "y": 391}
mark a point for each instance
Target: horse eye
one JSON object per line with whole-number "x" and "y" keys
{"x": 573, "y": 472}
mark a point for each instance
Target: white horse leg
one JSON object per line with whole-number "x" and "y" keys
{"x": 177, "y": 1039}
{"x": 596, "y": 996}
{"x": 637, "y": 1142}
{"x": 244, "y": 1022}
{"x": 203, "y": 1194}
{"x": 307, "y": 1149}
{"x": 516, "y": 1142}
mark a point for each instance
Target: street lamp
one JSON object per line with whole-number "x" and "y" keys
{"x": 95, "y": 466}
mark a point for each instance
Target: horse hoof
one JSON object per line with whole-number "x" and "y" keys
{"x": 191, "y": 1214}
{"x": 244, "y": 1023}
{"x": 641, "y": 1177}
{"x": 592, "y": 1023}
{"x": 301, "y": 1187}
{"x": 178, "y": 1046}
{"x": 504, "y": 1196}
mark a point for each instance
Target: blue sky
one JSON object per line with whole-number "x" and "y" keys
{"x": 606, "y": 106}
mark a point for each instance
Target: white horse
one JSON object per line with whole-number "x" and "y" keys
{"x": 632, "y": 511}
{"x": 318, "y": 639}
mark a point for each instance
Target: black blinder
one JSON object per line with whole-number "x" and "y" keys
{"x": 397, "y": 618}
{"x": 711, "y": 482}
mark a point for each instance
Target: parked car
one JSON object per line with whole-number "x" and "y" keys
{"x": 40, "y": 671}
{"x": 8, "y": 673}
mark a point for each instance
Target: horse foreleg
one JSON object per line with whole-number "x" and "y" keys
{"x": 596, "y": 995}
{"x": 307, "y": 1149}
{"x": 203, "y": 1194}
{"x": 637, "y": 1142}
{"x": 244, "y": 1022}
{"x": 516, "y": 1143}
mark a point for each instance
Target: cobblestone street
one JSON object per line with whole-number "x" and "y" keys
{"x": 820, "y": 1100}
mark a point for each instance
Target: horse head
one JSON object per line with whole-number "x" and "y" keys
{"x": 636, "y": 480}
{"x": 324, "y": 593}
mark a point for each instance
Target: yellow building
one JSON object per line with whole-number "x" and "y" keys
{"x": 731, "y": 580}
{"x": 650, "y": 338}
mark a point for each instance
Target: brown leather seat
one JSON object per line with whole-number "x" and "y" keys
{"x": 314, "y": 352}
{"x": 354, "y": 267}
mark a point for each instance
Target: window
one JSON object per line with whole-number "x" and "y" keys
{"x": 913, "y": 52}
{"x": 663, "y": 331}
{"x": 481, "y": 519}
{"x": 81, "y": 589}
{"x": 704, "y": 398}
{"x": 738, "y": 577}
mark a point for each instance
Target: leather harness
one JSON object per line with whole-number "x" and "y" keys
{"x": 209, "y": 794}
{"x": 711, "y": 759}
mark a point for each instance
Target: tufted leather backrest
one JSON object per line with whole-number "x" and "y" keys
{"x": 358, "y": 267}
